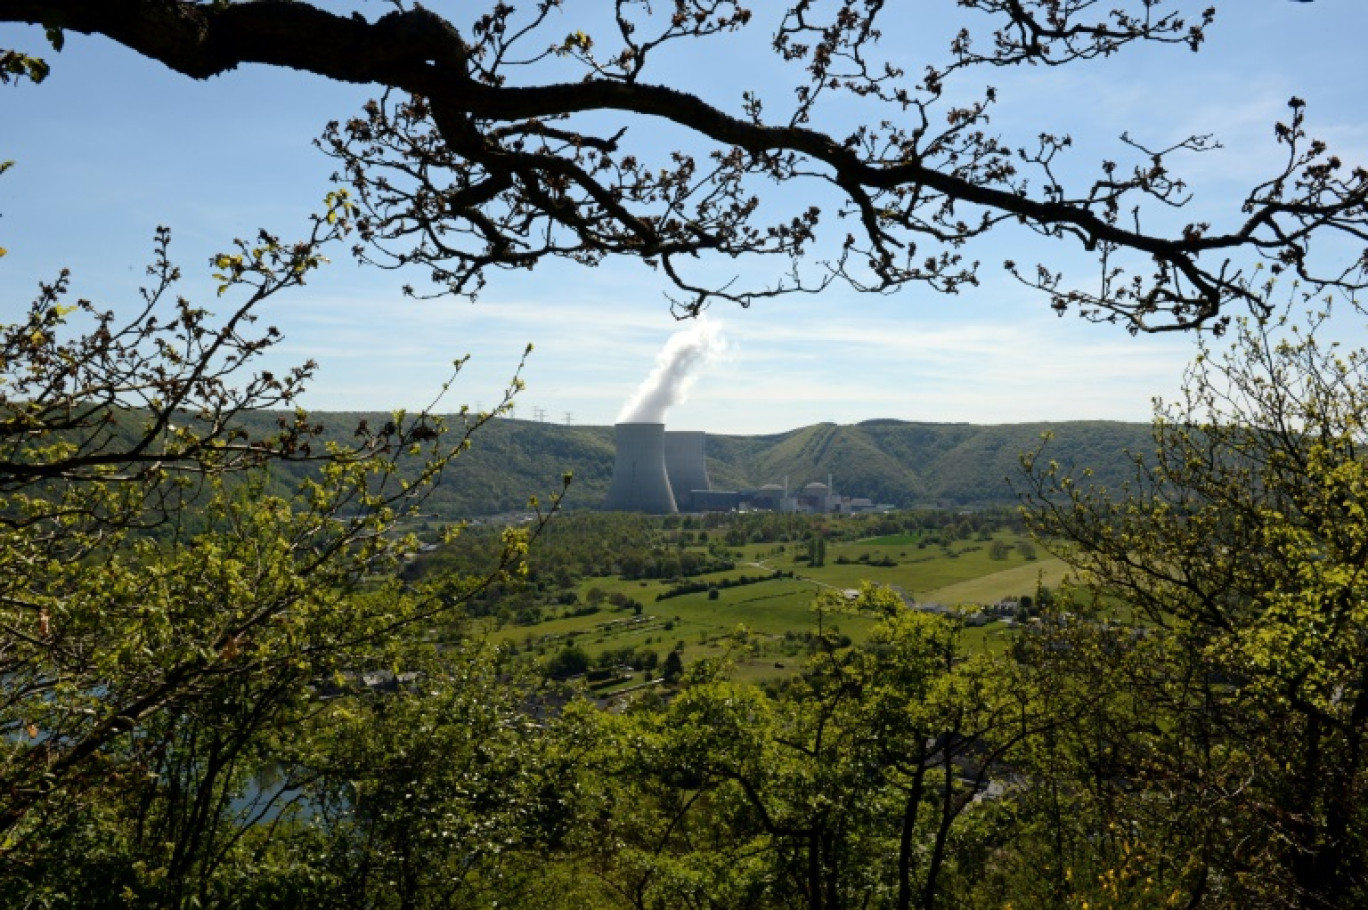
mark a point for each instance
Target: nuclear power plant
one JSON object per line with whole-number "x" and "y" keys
{"x": 640, "y": 482}
{"x": 662, "y": 473}
{"x": 658, "y": 472}
{"x": 655, "y": 471}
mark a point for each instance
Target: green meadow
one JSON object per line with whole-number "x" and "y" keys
{"x": 761, "y": 627}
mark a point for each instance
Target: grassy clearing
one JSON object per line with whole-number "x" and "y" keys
{"x": 772, "y": 607}
{"x": 920, "y": 571}
{"x": 992, "y": 639}
{"x": 993, "y": 587}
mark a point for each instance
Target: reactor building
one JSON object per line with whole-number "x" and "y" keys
{"x": 656, "y": 472}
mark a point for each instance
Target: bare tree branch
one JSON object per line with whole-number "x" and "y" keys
{"x": 469, "y": 162}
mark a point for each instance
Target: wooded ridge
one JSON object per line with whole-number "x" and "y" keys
{"x": 900, "y": 463}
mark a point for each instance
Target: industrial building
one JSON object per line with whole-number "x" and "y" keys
{"x": 640, "y": 482}
{"x": 686, "y": 466}
{"x": 661, "y": 473}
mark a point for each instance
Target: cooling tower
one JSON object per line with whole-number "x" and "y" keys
{"x": 686, "y": 465}
{"x": 640, "y": 483}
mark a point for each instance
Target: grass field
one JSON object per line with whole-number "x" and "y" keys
{"x": 964, "y": 572}
{"x": 990, "y": 588}
{"x": 776, "y": 612}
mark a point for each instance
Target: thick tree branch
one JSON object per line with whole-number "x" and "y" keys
{"x": 522, "y": 183}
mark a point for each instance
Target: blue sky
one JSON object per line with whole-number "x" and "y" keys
{"x": 113, "y": 145}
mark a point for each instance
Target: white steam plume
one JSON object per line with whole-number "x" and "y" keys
{"x": 677, "y": 366}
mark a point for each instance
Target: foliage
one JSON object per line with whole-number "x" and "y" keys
{"x": 427, "y": 794}
{"x": 844, "y": 789}
{"x": 568, "y": 662}
{"x": 1232, "y": 722}
{"x": 712, "y": 586}
{"x": 164, "y": 617}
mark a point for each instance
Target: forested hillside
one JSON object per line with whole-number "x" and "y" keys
{"x": 922, "y": 463}
{"x": 888, "y": 461}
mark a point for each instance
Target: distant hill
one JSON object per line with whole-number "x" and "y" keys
{"x": 935, "y": 464}
{"x": 888, "y": 461}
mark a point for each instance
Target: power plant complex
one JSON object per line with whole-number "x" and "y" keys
{"x": 655, "y": 471}
{"x": 661, "y": 473}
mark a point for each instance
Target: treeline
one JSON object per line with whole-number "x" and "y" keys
{"x": 720, "y": 584}
{"x": 937, "y": 525}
